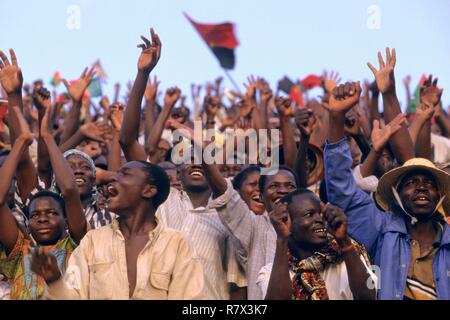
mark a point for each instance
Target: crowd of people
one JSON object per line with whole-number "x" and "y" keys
{"x": 96, "y": 204}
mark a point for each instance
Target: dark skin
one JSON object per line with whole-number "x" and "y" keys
{"x": 194, "y": 183}
{"x": 129, "y": 133}
{"x": 130, "y": 196}
{"x": 249, "y": 192}
{"x": 301, "y": 227}
{"x": 12, "y": 80}
{"x": 84, "y": 177}
{"x": 401, "y": 141}
{"x": 419, "y": 194}
{"x": 46, "y": 221}
{"x": 276, "y": 187}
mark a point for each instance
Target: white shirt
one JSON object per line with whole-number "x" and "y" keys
{"x": 441, "y": 148}
{"x": 209, "y": 238}
{"x": 334, "y": 276}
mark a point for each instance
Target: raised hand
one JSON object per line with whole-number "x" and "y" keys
{"x": 344, "y": 97}
{"x": 251, "y": 87}
{"x": 281, "y": 221}
{"x": 10, "y": 73}
{"x": 171, "y": 97}
{"x": 264, "y": 90}
{"x": 25, "y": 133}
{"x": 336, "y": 223}
{"x": 41, "y": 98}
{"x": 425, "y": 111}
{"x": 45, "y": 265}
{"x": 330, "y": 81}
{"x": 151, "y": 90}
{"x": 385, "y": 76}
{"x": 284, "y": 106}
{"x": 91, "y": 130}
{"x": 211, "y": 106}
{"x": 76, "y": 89}
{"x": 305, "y": 120}
{"x": 151, "y": 52}
{"x": 380, "y": 137}
{"x": 116, "y": 115}
{"x": 429, "y": 92}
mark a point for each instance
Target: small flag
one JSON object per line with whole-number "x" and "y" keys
{"x": 221, "y": 40}
{"x": 415, "y": 101}
{"x": 56, "y": 79}
{"x": 311, "y": 81}
{"x": 95, "y": 88}
{"x": 100, "y": 71}
{"x": 296, "y": 90}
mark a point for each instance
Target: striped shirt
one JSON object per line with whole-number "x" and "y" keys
{"x": 209, "y": 238}
{"x": 255, "y": 234}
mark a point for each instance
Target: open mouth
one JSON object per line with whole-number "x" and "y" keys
{"x": 112, "y": 191}
{"x": 320, "y": 231}
{"x": 44, "y": 231}
{"x": 421, "y": 199}
{"x": 197, "y": 173}
{"x": 80, "y": 181}
{"x": 257, "y": 198}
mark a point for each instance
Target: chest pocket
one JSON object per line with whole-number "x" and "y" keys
{"x": 160, "y": 285}
{"x": 101, "y": 281}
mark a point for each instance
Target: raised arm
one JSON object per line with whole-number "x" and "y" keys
{"x": 90, "y": 130}
{"x": 65, "y": 180}
{"x": 356, "y": 270}
{"x": 12, "y": 80}
{"x": 401, "y": 141}
{"x": 280, "y": 284}
{"x": 430, "y": 95}
{"x": 171, "y": 97}
{"x": 9, "y": 230}
{"x": 129, "y": 134}
{"x": 76, "y": 91}
{"x": 365, "y": 220}
{"x": 150, "y": 94}
{"x": 380, "y": 137}
{"x": 304, "y": 119}
{"x": 285, "y": 110}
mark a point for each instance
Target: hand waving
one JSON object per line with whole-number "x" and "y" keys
{"x": 151, "y": 52}
{"x": 10, "y": 73}
{"x": 385, "y": 76}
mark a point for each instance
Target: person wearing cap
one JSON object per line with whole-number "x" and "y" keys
{"x": 410, "y": 242}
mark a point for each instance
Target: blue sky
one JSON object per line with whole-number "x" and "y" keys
{"x": 277, "y": 38}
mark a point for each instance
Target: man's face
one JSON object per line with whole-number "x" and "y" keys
{"x": 230, "y": 170}
{"x": 384, "y": 164}
{"x": 277, "y": 186}
{"x": 84, "y": 176}
{"x": 308, "y": 227}
{"x": 249, "y": 192}
{"x": 46, "y": 220}
{"x": 126, "y": 191}
{"x": 192, "y": 177}
{"x": 418, "y": 193}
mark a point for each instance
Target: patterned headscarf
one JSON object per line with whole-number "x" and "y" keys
{"x": 69, "y": 153}
{"x": 307, "y": 283}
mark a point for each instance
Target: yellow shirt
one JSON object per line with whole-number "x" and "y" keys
{"x": 166, "y": 268}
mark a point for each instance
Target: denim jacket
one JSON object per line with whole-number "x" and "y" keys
{"x": 384, "y": 234}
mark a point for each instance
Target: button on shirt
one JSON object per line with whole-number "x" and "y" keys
{"x": 166, "y": 268}
{"x": 210, "y": 239}
{"x": 420, "y": 282}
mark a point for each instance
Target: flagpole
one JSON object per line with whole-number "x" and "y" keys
{"x": 231, "y": 80}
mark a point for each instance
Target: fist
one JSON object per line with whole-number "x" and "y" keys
{"x": 345, "y": 96}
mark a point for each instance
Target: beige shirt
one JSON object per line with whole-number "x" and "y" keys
{"x": 167, "y": 268}
{"x": 218, "y": 251}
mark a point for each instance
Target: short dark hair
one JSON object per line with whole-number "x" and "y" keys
{"x": 290, "y": 196}
{"x": 46, "y": 193}
{"x": 243, "y": 174}
{"x": 263, "y": 178}
{"x": 159, "y": 178}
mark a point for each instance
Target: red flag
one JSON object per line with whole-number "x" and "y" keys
{"x": 220, "y": 38}
{"x": 311, "y": 81}
{"x": 3, "y": 112}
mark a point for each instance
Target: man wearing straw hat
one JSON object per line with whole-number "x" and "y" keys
{"x": 410, "y": 242}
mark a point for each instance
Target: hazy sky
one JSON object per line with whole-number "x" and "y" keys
{"x": 277, "y": 38}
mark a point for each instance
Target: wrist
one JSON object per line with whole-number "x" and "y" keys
{"x": 345, "y": 243}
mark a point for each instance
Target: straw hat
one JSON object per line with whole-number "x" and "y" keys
{"x": 385, "y": 196}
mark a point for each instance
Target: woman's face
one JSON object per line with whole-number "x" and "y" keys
{"x": 249, "y": 192}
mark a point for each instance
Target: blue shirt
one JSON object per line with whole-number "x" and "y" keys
{"x": 384, "y": 234}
